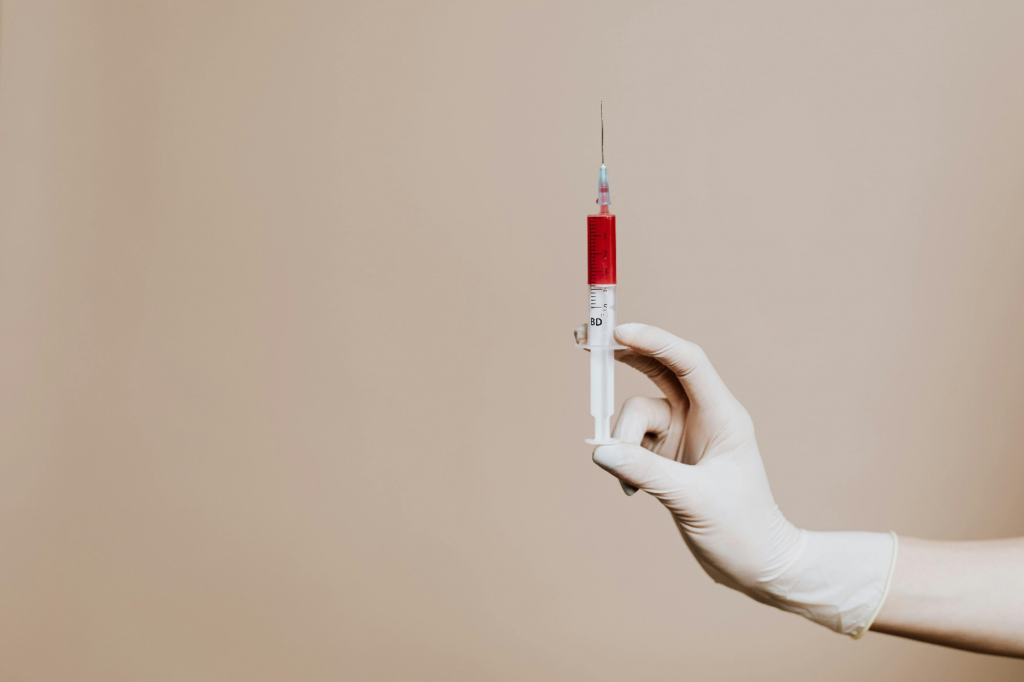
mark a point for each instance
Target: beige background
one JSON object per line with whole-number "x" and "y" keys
{"x": 287, "y": 386}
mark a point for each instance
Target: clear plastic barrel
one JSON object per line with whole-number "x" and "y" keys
{"x": 601, "y": 340}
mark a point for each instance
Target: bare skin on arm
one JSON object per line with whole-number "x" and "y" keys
{"x": 966, "y": 595}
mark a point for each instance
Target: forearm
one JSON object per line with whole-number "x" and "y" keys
{"x": 967, "y": 595}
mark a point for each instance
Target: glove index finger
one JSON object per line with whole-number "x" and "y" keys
{"x": 580, "y": 334}
{"x": 683, "y": 358}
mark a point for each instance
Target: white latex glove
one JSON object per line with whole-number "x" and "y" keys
{"x": 701, "y": 461}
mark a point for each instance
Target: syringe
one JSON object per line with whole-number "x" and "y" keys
{"x": 601, "y": 328}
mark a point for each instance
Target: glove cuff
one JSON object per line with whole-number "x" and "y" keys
{"x": 839, "y": 579}
{"x": 888, "y": 584}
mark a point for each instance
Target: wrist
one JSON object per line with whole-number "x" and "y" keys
{"x": 837, "y": 579}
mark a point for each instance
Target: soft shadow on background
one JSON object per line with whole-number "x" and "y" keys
{"x": 287, "y": 383}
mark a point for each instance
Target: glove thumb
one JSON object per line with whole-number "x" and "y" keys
{"x": 639, "y": 467}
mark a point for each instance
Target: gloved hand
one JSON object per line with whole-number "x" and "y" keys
{"x": 694, "y": 450}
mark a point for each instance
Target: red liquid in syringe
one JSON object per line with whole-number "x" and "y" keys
{"x": 601, "y": 248}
